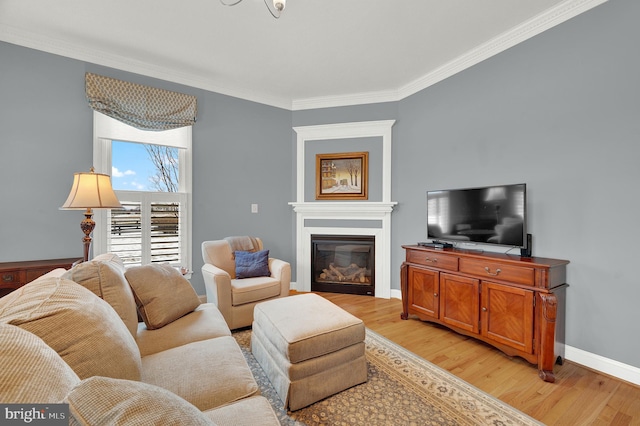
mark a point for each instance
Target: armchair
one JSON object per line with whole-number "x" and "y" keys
{"x": 235, "y": 297}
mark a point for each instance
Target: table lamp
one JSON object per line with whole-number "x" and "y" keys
{"x": 90, "y": 191}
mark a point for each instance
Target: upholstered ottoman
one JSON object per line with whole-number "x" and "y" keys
{"x": 308, "y": 347}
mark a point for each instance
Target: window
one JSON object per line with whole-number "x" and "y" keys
{"x": 438, "y": 211}
{"x": 146, "y": 179}
{"x": 150, "y": 173}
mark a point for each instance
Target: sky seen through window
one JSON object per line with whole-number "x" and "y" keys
{"x": 131, "y": 167}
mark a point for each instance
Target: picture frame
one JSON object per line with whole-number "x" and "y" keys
{"x": 342, "y": 176}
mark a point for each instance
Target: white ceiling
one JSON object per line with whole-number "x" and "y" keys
{"x": 319, "y": 53}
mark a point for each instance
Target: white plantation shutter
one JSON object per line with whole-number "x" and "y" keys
{"x": 165, "y": 232}
{"x": 125, "y": 238}
{"x": 150, "y": 229}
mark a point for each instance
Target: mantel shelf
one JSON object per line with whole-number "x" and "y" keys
{"x": 343, "y": 207}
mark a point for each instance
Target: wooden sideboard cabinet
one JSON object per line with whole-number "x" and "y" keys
{"x": 14, "y": 275}
{"x": 514, "y": 303}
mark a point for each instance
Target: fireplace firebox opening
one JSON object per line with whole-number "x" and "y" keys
{"x": 343, "y": 264}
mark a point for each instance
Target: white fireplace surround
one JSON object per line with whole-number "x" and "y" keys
{"x": 369, "y": 211}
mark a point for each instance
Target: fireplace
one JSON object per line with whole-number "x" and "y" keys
{"x": 345, "y": 217}
{"x": 343, "y": 264}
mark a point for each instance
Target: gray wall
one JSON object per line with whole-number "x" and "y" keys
{"x": 559, "y": 112}
{"x": 242, "y": 154}
{"x": 45, "y": 136}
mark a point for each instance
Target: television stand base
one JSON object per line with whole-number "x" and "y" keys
{"x": 513, "y": 303}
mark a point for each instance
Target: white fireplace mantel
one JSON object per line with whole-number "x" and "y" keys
{"x": 376, "y": 211}
{"x": 344, "y": 209}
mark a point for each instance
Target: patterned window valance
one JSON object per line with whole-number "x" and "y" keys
{"x": 143, "y": 107}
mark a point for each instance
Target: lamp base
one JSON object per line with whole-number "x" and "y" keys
{"x": 87, "y": 226}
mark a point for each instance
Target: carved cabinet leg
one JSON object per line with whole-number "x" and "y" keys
{"x": 404, "y": 288}
{"x": 547, "y": 357}
{"x": 547, "y": 376}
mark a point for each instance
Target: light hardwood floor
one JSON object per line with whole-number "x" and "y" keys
{"x": 578, "y": 397}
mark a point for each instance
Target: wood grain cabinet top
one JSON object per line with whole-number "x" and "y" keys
{"x": 14, "y": 275}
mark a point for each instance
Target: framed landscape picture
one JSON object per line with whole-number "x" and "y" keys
{"x": 342, "y": 176}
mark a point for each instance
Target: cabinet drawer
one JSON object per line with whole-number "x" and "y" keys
{"x": 10, "y": 277}
{"x": 435, "y": 260}
{"x": 498, "y": 271}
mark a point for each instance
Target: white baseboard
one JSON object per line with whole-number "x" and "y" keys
{"x": 608, "y": 366}
{"x": 599, "y": 363}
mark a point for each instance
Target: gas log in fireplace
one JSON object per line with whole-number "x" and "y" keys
{"x": 343, "y": 264}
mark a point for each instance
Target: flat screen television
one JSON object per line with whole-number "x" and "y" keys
{"x": 483, "y": 215}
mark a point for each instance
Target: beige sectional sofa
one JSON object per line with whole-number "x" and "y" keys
{"x": 74, "y": 336}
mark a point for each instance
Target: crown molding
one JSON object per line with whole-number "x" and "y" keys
{"x": 534, "y": 26}
{"x": 538, "y": 24}
{"x": 346, "y": 100}
{"x": 528, "y": 29}
{"x": 35, "y": 41}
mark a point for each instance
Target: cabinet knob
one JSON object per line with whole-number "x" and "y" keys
{"x": 435, "y": 294}
{"x": 7, "y": 278}
{"x": 484, "y": 309}
{"x": 495, "y": 274}
{"x": 428, "y": 259}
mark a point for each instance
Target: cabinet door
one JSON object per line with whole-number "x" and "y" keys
{"x": 423, "y": 291}
{"x": 460, "y": 302}
{"x": 507, "y": 315}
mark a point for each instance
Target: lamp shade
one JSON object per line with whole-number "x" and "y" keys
{"x": 91, "y": 190}
{"x": 496, "y": 193}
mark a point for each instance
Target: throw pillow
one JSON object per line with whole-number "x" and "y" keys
{"x": 105, "y": 278}
{"x": 111, "y": 258}
{"x": 252, "y": 264}
{"x": 162, "y": 294}
{"x": 102, "y": 401}
{"x": 31, "y": 372}
{"x": 82, "y": 328}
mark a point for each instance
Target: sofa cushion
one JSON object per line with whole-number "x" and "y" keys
{"x": 105, "y": 401}
{"x": 82, "y": 328}
{"x": 215, "y": 372}
{"x": 206, "y": 322}
{"x": 31, "y": 372}
{"x": 250, "y": 290}
{"x": 252, "y": 264}
{"x": 162, "y": 294}
{"x": 105, "y": 278}
{"x": 252, "y": 411}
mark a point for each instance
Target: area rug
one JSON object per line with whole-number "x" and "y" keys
{"x": 402, "y": 389}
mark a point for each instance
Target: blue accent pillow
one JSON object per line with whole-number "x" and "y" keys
{"x": 252, "y": 264}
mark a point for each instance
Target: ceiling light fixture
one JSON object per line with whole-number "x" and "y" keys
{"x": 278, "y": 6}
